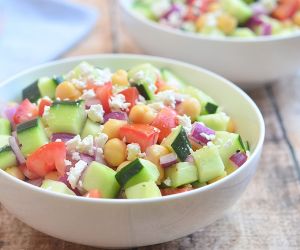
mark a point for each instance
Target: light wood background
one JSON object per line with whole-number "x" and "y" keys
{"x": 268, "y": 214}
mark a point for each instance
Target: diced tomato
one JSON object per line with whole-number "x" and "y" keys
{"x": 25, "y": 112}
{"x": 143, "y": 134}
{"x": 94, "y": 193}
{"x": 165, "y": 121}
{"x": 43, "y": 104}
{"x": 48, "y": 158}
{"x": 131, "y": 95}
{"x": 170, "y": 191}
{"x": 29, "y": 174}
{"x": 286, "y": 9}
{"x": 103, "y": 93}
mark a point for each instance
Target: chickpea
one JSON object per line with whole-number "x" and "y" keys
{"x": 54, "y": 175}
{"x": 153, "y": 153}
{"x": 122, "y": 165}
{"x": 142, "y": 113}
{"x": 231, "y": 127}
{"x": 200, "y": 23}
{"x": 115, "y": 152}
{"x": 217, "y": 178}
{"x": 226, "y": 23}
{"x": 112, "y": 128}
{"x": 296, "y": 18}
{"x": 67, "y": 90}
{"x": 16, "y": 172}
{"x": 213, "y": 7}
{"x": 120, "y": 77}
{"x": 190, "y": 107}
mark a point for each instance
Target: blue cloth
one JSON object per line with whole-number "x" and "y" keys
{"x": 36, "y": 31}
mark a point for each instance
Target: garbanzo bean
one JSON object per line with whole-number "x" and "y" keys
{"x": 115, "y": 152}
{"x": 67, "y": 90}
{"x": 16, "y": 172}
{"x": 112, "y": 128}
{"x": 122, "y": 165}
{"x": 190, "y": 107}
{"x": 120, "y": 78}
{"x": 54, "y": 175}
{"x": 142, "y": 114}
{"x": 226, "y": 23}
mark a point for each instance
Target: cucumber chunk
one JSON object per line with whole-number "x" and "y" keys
{"x": 57, "y": 187}
{"x": 178, "y": 142}
{"x": 137, "y": 171}
{"x": 182, "y": 173}
{"x": 66, "y": 117}
{"x": 172, "y": 79}
{"x": 228, "y": 144}
{"x": 32, "y": 92}
{"x": 143, "y": 190}
{"x": 90, "y": 128}
{"x": 217, "y": 121}
{"x": 5, "y": 127}
{"x": 31, "y": 136}
{"x": 100, "y": 177}
{"x": 209, "y": 163}
{"x": 7, "y": 157}
{"x": 237, "y": 8}
{"x": 47, "y": 87}
{"x": 4, "y": 140}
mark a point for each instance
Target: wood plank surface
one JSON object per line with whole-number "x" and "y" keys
{"x": 268, "y": 214}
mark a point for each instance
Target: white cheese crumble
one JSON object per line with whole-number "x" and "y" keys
{"x": 169, "y": 97}
{"x": 208, "y": 137}
{"x": 100, "y": 140}
{"x": 133, "y": 151}
{"x": 88, "y": 94}
{"x": 58, "y": 140}
{"x": 73, "y": 144}
{"x": 118, "y": 102}
{"x": 68, "y": 163}
{"x": 76, "y": 156}
{"x": 168, "y": 182}
{"x": 46, "y": 112}
{"x": 79, "y": 83}
{"x": 210, "y": 144}
{"x": 248, "y": 153}
{"x": 174, "y": 19}
{"x": 157, "y": 106}
{"x": 87, "y": 145}
{"x": 160, "y": 7}
{"x": 75, "y": 173}
{"x": 99, "y": 155}
{"x": 101, "y": 76}
{"x": 186, "y": 122}
{"x": 118, "y": 88}
{"x": 96, "y": 112}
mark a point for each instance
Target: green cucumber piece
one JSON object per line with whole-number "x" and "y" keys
{"x": 66, "y": 117}
{"x": 237, "y": 8}
{"x": 243, "y": 32}
{"x": 207, "y": 103}
{"x": 143, "y": 76}
{"x": 143, "y": 190}
{"x": 90, "y": 128}
{"x": 228, "y": 144}
{"x": 216, "y": 122}
{"x": 5, "y": 127}
{"x": 144, "y": 10}
{"x": 178, "y": 142}
{"x": 100, "y": 177}
{"x": 137, "y": 171}
{"x": 172, "y": 79}
{"x": 7, "y": 157}
{"x": 47, "y": 87}
{"x": 182, "y": 173}
{"x": 209, "y": 163}
{"x": 57, "y": 187}
{"x": 197, "y": 184}
{"x": 32, "y": 92}
{"x": 31, "y": 136}
{"x": 4, "y": 140}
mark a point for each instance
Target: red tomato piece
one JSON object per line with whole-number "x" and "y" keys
{"x": 165, "y": 121}
{"x": 143, "y": 134}
{"x": 131, "y": 96}
{"x": 48, "y": 158}
{"x": 43, "y": 104}
{"x": 170, "y": 191}
{"x": 286, "y": 9}
{"x": 103, "y": 93}
{"x": 29, "y": 174}
{"x": 94, "y": 193}
{"x": 25, "y": 112}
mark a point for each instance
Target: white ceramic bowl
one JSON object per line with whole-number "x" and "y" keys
{"x": 247, "y": 62}
{"x": 132, "y": 223}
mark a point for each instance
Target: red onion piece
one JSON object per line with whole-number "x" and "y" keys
{"x": 64, "y": 179}
{"x": 190, "y": 159}
{"x": 64, "y": 137}
{"x": 90, "y": 102}
{"x": 254, "y": 21}
{"x": 36, "y": 182}
{"x": 118, "y": 115}
{"x": 168, "y": 160}
{"x": 9, "y": 111}
{"x": 201, "y": 133}
{"x": 173, "y": 8}
{"x": 15, "y": 147}
{"x": 238, "y": 159}
{"x": 258, "y": 9}
{"x": 87, "y": 158}
{"x": 266, "y": 29}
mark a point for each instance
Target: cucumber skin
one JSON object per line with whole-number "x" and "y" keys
{"x": 181, "y": 145}
{"x": 7, "y": 158}
{"x": 5, "y": 127}
{"x": 31, "y": 92}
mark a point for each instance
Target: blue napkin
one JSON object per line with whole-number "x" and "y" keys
{"x": 36, "y": 31}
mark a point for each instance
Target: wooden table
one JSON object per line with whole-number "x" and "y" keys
{"x": 268, "y": 214}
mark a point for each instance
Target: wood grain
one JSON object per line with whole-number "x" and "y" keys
{"x": 268, "y": 214}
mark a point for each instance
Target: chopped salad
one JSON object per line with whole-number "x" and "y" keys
{"x": 220, "y": 18}
{"x": 130, "y": 134}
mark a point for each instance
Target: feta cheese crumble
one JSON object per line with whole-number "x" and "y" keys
{"x": 168, "y": 182}
{"x": 118, "y": 102}
{"x": 73, "y": 144}
{"x": 157, "y": 106}
{"x": 88, "y": 94}
{"x": 100, "y": 140}
{"x": 68, "y": 163}
{"x": 186, "y": 122}
{"x": 75, "y": 173}
{"x": 134, "y": 151}
{"x": 46, "y": 112}
{"x": 169, "y": 97}
{"x": 160, "y": 7}
{"x": 208, "y": 137}
{"x": 96, "y": 112}
{"x": 87, "y": 145}
{"x": 76, "y": 156}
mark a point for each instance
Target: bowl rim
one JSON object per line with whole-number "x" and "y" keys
{"x": 71, "y": 198}
{"x": 125, "y": 4}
